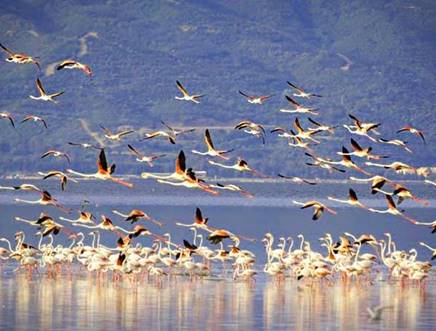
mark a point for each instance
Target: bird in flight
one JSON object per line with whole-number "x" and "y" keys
{"x": 143, "y": 158}
{"x": 115, "y": 136}
{"x": 296, "y": 180}
{"x": 176, "y": 132}
{"x": 186, "y": 96}
{"x": 34, "y": 118}
{"x": 254, "y": 99}
{"x": 395, "y": 142}
{"x": 19, "y": 58}
{"x": 298, "y": 108}
{"x": 43, "y": 95}
{"x": 56, "y": 154}
{"x": 319, "y": 208}
{"x": 252, "y": 128}
{"x": 71, "y": 64}
{"x": 414, "y": 131}
{"x": 104, "y": 171}
{"x": 84, "y": 145}
{"x": 362, "y": 152}
{"x": 7, "y": 116}
{"x": 62, "y": 177}
{"x": 211, "y": 151}
{"x": 301, "y": 93}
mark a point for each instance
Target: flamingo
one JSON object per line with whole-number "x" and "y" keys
{"x": 321, "y": 127}
{"x": 6, "y": 115}
{"x": 83, "y": 145}
{"x": 72, "y": 64}
{"x": 241, "y": 166}
{"x": 19, "y": 57}
{"x": 43, "y": 95}
{"x": 301, "y": 93}
{"x": 252, "y": 128}
{"x": 62, "y": 177}
{"x": 104, "y": 171}
{"x": 393, "y": 210}
{"x": 56, "y": 154}
{"x": 211, "y": 151}
{"x": 233, "y": 188}
{"x": 395, "y": 142}
{"x": 190, "y": 181}
{"x": 298, "y": 108}
{"x": 176, "y": 132}
{"x": 46, "y": 200}
{"x": 178, "y": 174}
{"x": 352, "y": 200}
{"x": 318, "y": 208}
{"x": 362, "y": 152}
{"x": 115, "y": 136}
{"x": 254, "y": 99}
{"x": 135, "y": 215}
{"x": 143, "y": 158}
{"x": 297, "y": 180}
{"x": 34, "y": 118}
{"x": 186, "y": 96}
{"x": 414, "y": 131}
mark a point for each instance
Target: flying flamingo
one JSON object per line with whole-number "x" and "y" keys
{"x": 43, "y": 95}
{"x": 186, "y": 96}
{"x": 104, "y": 171}
{"x": 72, "y": 64}
{"x": 211, "y": 151}
{"x": 254, "y": 99}
{"x": 318, "y": 208}
{"x": 19, "y": 58}
{"x": 301, "y": 93}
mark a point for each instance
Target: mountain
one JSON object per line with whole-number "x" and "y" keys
{"x": 375, "y": 60}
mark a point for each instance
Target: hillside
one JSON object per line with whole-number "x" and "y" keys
{"x": 138, "y": 49}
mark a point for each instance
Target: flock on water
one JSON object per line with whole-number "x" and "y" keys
{"x": 212, "y": 250}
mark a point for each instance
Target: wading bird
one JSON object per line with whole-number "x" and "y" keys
{"x": 84, "y": 145}
{"x": 362, "y": 152}
{"x": 43, "y": 95}
{"x": 211, "y": 151}
{"x": 186, "y": 96}
{"x": 115, "y": 136}
{"x": 317, "y": 206}
{"x": 296, "y": 180}
{"x": 301, "y": 93}
{"x": 7, "y": 116}
{"x": 46, "y": 200}
{"x": 104, "y": 171}
{"x": 62, "y": 177}
{"x": 395, "y": 142}
{"x": 352, "y": 200}
{"x": 56, "y": 154}
{"x": 71, "y": 64}
{"x": 34, "y": 118}
{"x": 241, "y": 166}
{"x": 298, "y": 108}
{"x": 252, "y": 128}
{"x": 393, "y": 210}
{"x": 143, "y": 158}
{"x": 256, "y": 99}
{"x": 135, "y": 215}
{"x": 414, "y": 131}
{"x": 19, "y": 57}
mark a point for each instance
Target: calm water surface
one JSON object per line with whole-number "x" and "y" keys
{"x": 81, "y": 303}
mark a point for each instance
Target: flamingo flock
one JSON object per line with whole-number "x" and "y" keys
{"x": 214, "y": 250}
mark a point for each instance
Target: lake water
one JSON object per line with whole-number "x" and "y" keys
{"x": 81, "y": 303}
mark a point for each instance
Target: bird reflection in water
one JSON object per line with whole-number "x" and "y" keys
{"x": 81, "y": 303}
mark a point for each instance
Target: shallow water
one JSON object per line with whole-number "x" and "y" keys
{"x": 80, "y": 302}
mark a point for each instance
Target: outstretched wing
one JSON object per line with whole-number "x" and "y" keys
{"x": 182, "y": 88}
{"x": 208, "y": 140}
{"x": 40, "y": 87}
